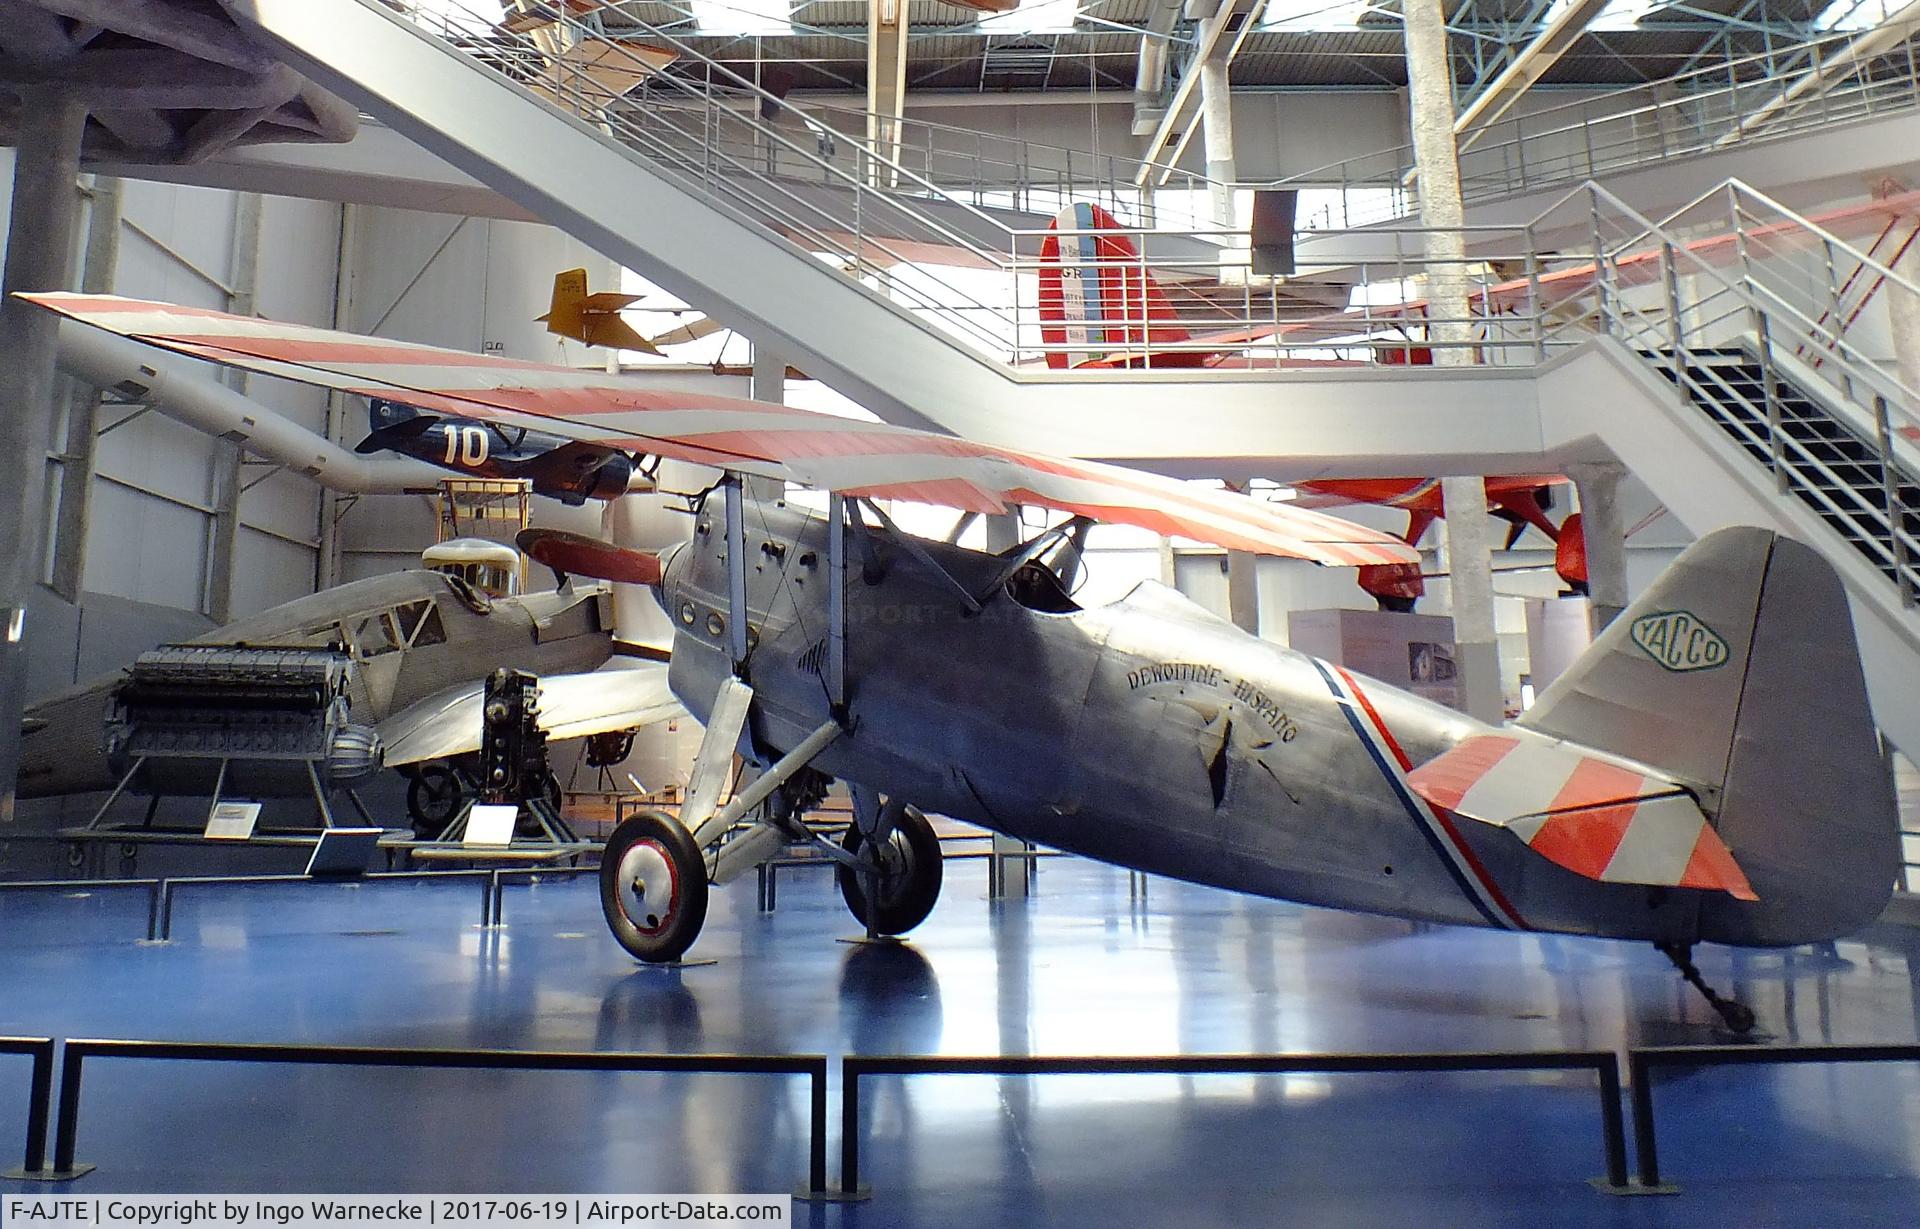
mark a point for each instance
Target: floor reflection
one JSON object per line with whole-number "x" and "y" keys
{"x": 1078, "y": 968}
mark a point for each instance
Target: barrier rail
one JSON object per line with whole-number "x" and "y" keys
{"x": 74, "y": 885}
{"x": 1604, "y": 1064}
{"x": 161, "y": 929}
{"x": 813, "y": 1066}
{"x": 161, "y": 892}
{"x": 39, "y": 1094}
{"x": 1642, "y": 1062}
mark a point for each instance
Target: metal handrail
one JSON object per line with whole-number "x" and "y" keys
{"x": 1702, "y": 113}
{"x": 1869, "y": 505}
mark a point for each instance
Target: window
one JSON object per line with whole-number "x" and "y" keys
{"x": 374, "y": 634}
{"x": 419, "y": 622}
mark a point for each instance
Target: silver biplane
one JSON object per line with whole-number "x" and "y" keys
{"x": 1707, "y": 771}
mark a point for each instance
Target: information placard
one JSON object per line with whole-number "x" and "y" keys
{"x": 491, "y": 824}
{"x": 231, "y": 821}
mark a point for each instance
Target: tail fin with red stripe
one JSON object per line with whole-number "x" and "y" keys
{"x": 1098, "y": 298}
{"x": 1736, "y": 678}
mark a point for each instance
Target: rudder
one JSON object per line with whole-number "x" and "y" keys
{"x": 1737, "y": 673}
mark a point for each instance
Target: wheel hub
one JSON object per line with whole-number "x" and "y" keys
{"x": 648, "y": 892}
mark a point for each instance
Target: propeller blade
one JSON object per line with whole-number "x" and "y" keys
{"x": 578, "y": 555}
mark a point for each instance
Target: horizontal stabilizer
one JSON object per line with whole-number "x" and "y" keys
{"x": 398, "y": 434}
{"x": 1598, "y": 816}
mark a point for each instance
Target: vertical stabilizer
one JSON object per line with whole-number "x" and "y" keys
{"x": 1736, "y": 673}
{"x": 1098, "y": 297}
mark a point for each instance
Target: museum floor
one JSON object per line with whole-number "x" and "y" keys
{"x": 1074, "y": 970}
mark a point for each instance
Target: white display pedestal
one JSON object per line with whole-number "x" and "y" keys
{"x": 1410, "y": 651}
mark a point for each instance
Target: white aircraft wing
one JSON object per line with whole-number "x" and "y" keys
{"x": 753, "y": 437}
{"x": 571, "y": 706}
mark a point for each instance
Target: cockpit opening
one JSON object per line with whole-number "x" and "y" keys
{"x": 1038, "y": 587}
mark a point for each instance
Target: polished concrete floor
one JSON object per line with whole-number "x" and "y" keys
{"x": 1077, "y": 969}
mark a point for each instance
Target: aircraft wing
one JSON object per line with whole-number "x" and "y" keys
{"x": 853, "y": 457}
{"x": 1598, "y": 816}
{"x": 571, "y": 706}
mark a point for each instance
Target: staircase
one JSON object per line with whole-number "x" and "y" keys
{"x": 1828, "y": 463}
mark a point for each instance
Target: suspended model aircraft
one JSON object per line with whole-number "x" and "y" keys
{"x": 1707, "y": 771}
{"x": 567, "y": 470}
{"x": 592, "y": 318}
{"x": 1519, "y": 500}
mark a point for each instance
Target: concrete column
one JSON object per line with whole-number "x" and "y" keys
{"x": 1442, "y": 213}
{"x": 39, "y": 257}
{"x": 886, "y": 83}
{"x": 1598, "y": 486}
{"x": 1216, "y": 123}
{"x": 1437, "y": 159}
{"x": 767, "y": 383}
{"x": 1243, "y": 590}
{"x": 1014, "y": 873}
{"x": 243, "y": 269}
{"x": 98, "y": 274}
{"x": 333, "y": 505}
{"x": 769, "y": 374}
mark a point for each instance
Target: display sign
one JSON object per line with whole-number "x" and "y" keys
{"x": 491, "y": 824}
{"x": 231, "y": 821}
{"x": 1411, "y": 651}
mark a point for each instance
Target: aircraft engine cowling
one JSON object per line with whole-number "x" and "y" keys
{"x": 611, "y": 478}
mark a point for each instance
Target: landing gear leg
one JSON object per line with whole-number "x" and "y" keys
{"x": 1737, "y": 1016}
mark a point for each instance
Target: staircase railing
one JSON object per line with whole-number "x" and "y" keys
{"x": 1760, "y": 285}
{"x": 896, "y": 222}
{"x": 1682, "y": 116}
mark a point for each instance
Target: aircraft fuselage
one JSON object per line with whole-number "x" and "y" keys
{"x": 1148, "y": 733}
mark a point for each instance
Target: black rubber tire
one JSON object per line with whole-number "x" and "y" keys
{"x": 912, "y": 886}
{"x": 434, "y": 793}
{"x": 649, "y": 929}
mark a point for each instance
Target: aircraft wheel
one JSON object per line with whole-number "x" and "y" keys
{"x": 434, "y": 793}
{"x": 911, "y": 873}
{"x": 653, "y": 887}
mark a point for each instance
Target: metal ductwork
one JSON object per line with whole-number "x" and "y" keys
{"x": 136, "y": 372}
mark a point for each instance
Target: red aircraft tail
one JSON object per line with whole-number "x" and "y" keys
{"x": 1098, "y": 299}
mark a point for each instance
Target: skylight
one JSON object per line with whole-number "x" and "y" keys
{"x": 1308, "y": 16}
{"x": 743, "y": 16}
{"x": 1854, "y": 15}
{"x": 1033, "y": 17}
{"x": 1625, "y": 14}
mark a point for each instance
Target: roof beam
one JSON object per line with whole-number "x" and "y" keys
{"x": 1899, "y": 26}
{"x": 1539, "y": 55}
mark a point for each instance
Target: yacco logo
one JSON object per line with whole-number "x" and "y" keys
{"x": 1679, "y": 641}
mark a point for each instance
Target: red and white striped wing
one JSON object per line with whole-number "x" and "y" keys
{"x": 754, "y": 437}
{"x": 1601, "y": 818}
